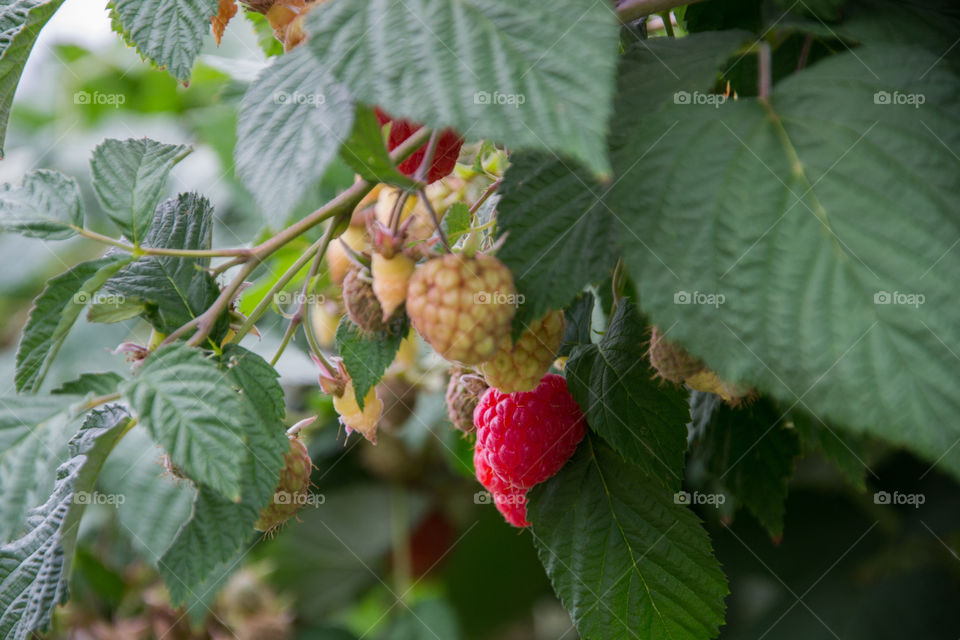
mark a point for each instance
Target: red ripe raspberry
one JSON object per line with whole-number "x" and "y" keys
{"x": 444, "y": 156}
{"x": 527, "y": 437}
{"x": 510, "y": 501}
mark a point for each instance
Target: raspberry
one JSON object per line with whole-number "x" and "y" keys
{"x": 390, "y": 279}
{"x": 527, "y": 437}
{"x": 362, "y": 305}
{"x": 444, "y": 156}
{"x": 353, "y": 418}
{"x": 463, "y": 394}
{"x": 462, "y": 306}
{"x": 510, "y": 501}
{"x": 520, "y": 366}
{"x": 293, "y": 485}
{"x": 417, "y": 230}
{"x": 339, "y": 264}
{"x": 676, "y": 365}
{"x": 324, "y": 319}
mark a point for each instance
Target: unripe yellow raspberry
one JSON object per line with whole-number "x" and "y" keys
{"x": 390, "y": 279}
{"x": 356, "y": 238}
{"x": 462, "y": 305}
{"x": 519, "y": 367}
{"x": 353, "y": 417}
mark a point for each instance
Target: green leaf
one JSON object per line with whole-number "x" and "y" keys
{"x": 169, "y": 33}
{"x": 98, "y": 384}
{"x": 53, "y": 314}
{"x": 44, "y": 205}
{"x": 615, "y": 386}
{"x": 751, "y": 452}
{"x": 527, "y": 74}
{"x": 128, "y": 177}
{"x": 293, "y": 120}
{"x": 191, "y": 564}
{"x": 561, "y": 234}
{"x": 562, "y": 231}
{"x": 20, "y": 24}
{"x": 156, "y": 504}
{"x": 366, "y": 152}
{"x": 846, "y": 451}
{"x": 35, "y": 568}
{"x": 190, "y": 408}
{"x": 170, "y": 290}
{"x": 579, "y": 322}
{"x": 34, "y": 431}
{"x": 366, "y": 355}
{"x": 777, "y": 209}
{"x": 622, "y": 555}
{"x": 456, "y": 221}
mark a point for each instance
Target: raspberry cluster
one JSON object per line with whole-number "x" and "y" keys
{"x": 524, "y": 438}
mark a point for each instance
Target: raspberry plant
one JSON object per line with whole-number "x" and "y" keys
{"x": 684, "y": 246}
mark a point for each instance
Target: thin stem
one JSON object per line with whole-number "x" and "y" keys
{"x": 160, "y": 251}
{"x": 805, "y": 52}
{"x": 667, "y": 24}
{"x": 99, "y": 400}
{"x": 483, "y": 196}
{"x": 763, "y": 71}
{"x": 207, "y": 319}
{"x": 436, "y": 221}
{"x": 297, "y": 318}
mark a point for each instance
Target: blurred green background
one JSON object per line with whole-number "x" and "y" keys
{"x": 398, "y": 547}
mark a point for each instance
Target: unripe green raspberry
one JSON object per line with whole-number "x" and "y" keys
{"x": 362, "y": 304}
{"x": 676, "y": 365}
{"x": 292, "y": 488}
{"x": 463, "y": 306}
{"x": 519, "y": 367}
{"x": 463, "y": 394}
